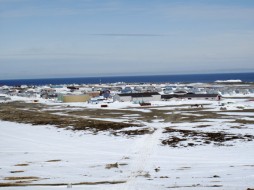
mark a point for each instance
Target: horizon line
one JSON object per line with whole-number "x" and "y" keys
{"x": 126, "y": 75}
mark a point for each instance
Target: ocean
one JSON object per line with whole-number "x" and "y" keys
{"x": 186, "y": 78}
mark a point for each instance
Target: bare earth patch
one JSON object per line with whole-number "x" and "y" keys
{"x": 194, "y": 138}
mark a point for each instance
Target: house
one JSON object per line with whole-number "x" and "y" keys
{"x": 94, "y": 93}
{"x": 48, "y": 93}
{"x": 169, "y": 89}
{"x": 200, "y": 96}
{"x": 29, "y": 94}
{"x": 105, "y": 93}
{"x": 191, "y": 96}
{"x": 96, "y": 100}
{"x": 166, "y": 97}
{"x": 4, "y": 90}
{"x": 138, "y": 89}
{"x": 73, "y": 88}
{"x": 138, "y": 97}
{"x": 4, "y": 98}
{"x": 180, "y": 92}
{"x": 126, "y": 90}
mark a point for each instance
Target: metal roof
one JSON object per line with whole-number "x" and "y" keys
{"x": 169, "y": 96}
{"x": 145, "y": 94}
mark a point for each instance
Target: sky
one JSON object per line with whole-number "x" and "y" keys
{"x": 82, "y": 38}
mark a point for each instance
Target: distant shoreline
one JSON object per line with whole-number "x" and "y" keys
{"x": 184, "y": 78}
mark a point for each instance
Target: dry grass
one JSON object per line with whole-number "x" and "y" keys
{"x": 9, "y": 112}
{"x": 21, "y": 178}
{"x": 243, "y": 121}
{"x": 21, "y": 112}
{"x": 143, "y": 174}
{"x": 59, "y": 184}
{"x": 202, "y": 126}
{"x": 176, "y": 136}
{"x": 134, "y": 132}
{"x": 34, "y": 114}
{"x": 21, "y": 165}
{"x": 110, "y": 166}
{"x": 17, "y": 171}
{"x": 54, "y": 161}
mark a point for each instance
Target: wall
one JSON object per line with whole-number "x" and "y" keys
{"x": 76, "y": 98}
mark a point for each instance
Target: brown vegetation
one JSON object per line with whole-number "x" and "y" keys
{"x": 54, "y": 161}
{"x": 21, "y": 164}
{"x": 17, "y": 171}
{"x": 12, "y": 112}
{"x": 109, "y": 166}
{"x": 200, "y": 137}
{"x": 134, "y": 132}
{"x": 59, "y": 184}
{"x": 21, "y": 178}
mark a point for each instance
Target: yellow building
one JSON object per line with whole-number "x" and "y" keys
{"x": 76, "y": 98}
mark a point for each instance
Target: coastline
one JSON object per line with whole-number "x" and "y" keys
{"x": 183, "y": 78}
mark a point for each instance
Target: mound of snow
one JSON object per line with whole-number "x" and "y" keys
{"x": 225, "y": 81}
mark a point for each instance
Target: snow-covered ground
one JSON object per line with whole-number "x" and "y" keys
{"x": 63, "y": 156}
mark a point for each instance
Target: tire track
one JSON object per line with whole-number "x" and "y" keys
{"x": 141, "y": 163}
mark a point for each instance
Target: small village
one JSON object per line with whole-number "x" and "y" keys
{"x": 122, "y": 92}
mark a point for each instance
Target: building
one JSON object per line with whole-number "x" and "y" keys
{"x": 48, "y": 93}
{"x": 94, "y": 93}
{"x": 191, "y": 96}
{"x": 4, "y": 98}
{"x": 138, "y": 97}
{"x": 74, "y": 98}
{"x": 201, "y": 96}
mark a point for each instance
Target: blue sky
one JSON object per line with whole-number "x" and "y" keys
{"x": 68, "y": 38}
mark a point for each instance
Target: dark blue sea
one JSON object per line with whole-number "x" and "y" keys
{"x": 203, "y": 78}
